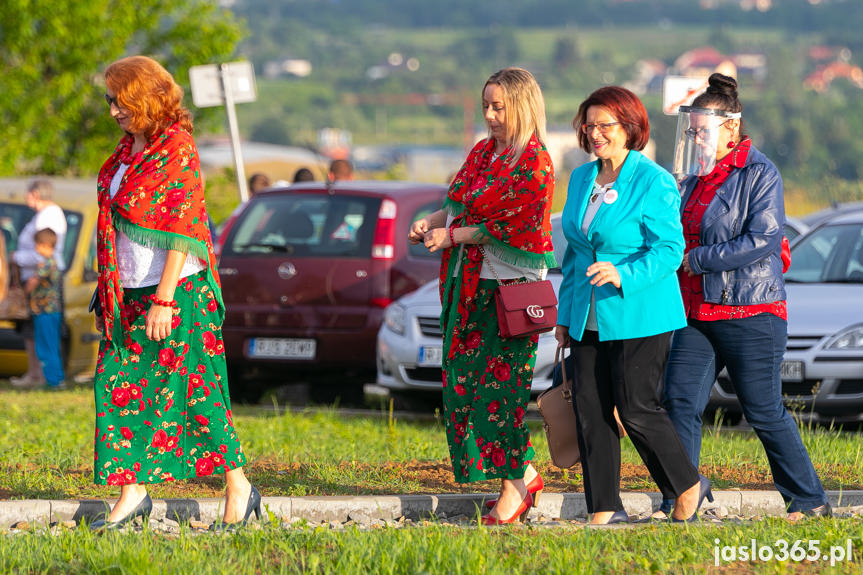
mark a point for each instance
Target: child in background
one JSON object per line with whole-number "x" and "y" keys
{"x": 44, "y": 291}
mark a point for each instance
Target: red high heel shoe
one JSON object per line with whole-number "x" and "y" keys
{"x": 535, "y": 488}
{"x": 519, "y": 515}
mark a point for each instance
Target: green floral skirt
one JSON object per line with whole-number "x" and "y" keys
{"x": 486, "y": 389}
{"x": 162, "y": 408}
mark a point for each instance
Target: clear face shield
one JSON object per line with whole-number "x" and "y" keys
{"x": 696, "y": 140}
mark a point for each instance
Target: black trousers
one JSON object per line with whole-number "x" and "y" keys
{"x": 627, "y": 374}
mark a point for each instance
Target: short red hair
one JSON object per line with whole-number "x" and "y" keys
{"x": 626, "y": 108}
{"x": 149, "y": 93}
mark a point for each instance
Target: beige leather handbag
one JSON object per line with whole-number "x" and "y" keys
{"x": 558, "y": 418}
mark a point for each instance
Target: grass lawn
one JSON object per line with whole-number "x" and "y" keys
{"x": 666, "y": 549}
{"x": 46, "y": 452}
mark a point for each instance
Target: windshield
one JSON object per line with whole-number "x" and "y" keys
{"x": 830, "y": 254}
{"x": 306, "y": 225}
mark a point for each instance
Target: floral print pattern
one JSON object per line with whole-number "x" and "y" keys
{"x": 163, "y": 409}
{"x": 45, "y": 297}
{"x": 486, "y": 389}
{"x": 161, "y": 204}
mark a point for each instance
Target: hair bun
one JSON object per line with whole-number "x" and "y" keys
{"x": 722, "y": 84}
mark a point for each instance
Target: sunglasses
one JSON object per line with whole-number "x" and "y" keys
{"x": 112, "y": 100}
{"x": 604, "y": 127}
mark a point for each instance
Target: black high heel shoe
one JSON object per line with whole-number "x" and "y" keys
{"x": 143, "y": 509}
{"x": 619, "y": 516}
{"x": 254, "y": 504}
{"x": 703, "y": 491}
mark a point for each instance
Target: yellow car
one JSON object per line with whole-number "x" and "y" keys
{"x": 80, "y": 338}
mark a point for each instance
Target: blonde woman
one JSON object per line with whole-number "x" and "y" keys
{"x": 494, "y": 226}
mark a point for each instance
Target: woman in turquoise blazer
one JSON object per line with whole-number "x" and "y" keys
{"x": 636, "y": 234}
{"x": 619, "y": 302}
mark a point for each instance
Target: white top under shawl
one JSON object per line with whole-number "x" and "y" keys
{"x": 504, "y": 270}
{"x": 139, "y": 265}
{"x": 596, "y": 199}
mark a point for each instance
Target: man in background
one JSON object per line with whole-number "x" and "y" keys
{"x": 340, "y": 170}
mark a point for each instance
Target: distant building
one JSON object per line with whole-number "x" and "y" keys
{"x": 288, "y": 67}
{"x": 703, "y": 61}
{"x": 823, "y": 76}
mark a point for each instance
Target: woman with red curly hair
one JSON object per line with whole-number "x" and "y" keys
{"x": 163, "y": 411}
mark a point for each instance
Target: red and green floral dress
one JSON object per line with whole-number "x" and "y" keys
{"x": 163, "y": 408}
{"x": 486, "y": 377}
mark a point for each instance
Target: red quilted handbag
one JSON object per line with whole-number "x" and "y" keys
{"x": 524, "y": 309}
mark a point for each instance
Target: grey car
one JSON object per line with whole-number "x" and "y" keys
{"x": 410, "y": 342}
{"x": 822, "y": 371}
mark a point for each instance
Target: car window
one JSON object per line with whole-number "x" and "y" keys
{"x": 13, "y": 218}
{"x": 91, "y": 263}
{"x": 832, "y": 253}
{"x": 419, "y": 250}
{"x": 790, "y": 232}
{"x": 305, "y": 225}
{"x": 73, "y": 230}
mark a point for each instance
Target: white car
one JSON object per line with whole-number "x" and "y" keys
{"x": 410, "y": 341}
{"x": 822, "y": 370}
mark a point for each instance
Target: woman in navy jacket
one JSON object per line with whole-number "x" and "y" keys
{"x": 734, "y": 293}
{"x": 619, "y": 302}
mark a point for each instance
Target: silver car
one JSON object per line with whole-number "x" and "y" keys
{"x": 822, "y": 371}
{"x": 409, "y": 347}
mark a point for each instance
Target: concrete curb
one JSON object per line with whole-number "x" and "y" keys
{"x": 566, "y": 506}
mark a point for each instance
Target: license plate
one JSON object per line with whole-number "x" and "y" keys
{"x": 430, "y": 355}
{"x": 284, "y": 348}
{"x": 792, "y": 370}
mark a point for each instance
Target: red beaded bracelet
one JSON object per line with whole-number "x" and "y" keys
{"x": 451, "y": 235}
{"x": 161, "y": 302}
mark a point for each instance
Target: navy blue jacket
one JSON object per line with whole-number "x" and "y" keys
{"x": 741, "y": 236}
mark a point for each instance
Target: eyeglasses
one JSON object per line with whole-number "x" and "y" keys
{"x": 112, "y": 100}
{"x": 604, "y": 127}
{"x": 702, "y": 133}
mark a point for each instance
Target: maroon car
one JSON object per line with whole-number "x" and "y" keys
{"x": 308, "y": 269}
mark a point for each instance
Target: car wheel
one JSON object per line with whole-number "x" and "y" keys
{"x": 243, "y": 389}
{"x": 344, "y": 393}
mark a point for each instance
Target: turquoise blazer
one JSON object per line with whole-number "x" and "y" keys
{"x": 641, "y": 234}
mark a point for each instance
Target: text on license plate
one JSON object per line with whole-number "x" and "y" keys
{"x": 284, "y": 348}
{"x": 792, "y": 370}
{"x": 430, "y": 355}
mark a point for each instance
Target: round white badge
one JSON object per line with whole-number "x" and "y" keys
{"x": 610, "y": 196}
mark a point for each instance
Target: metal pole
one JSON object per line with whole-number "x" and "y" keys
{"x": 235, "y": 133}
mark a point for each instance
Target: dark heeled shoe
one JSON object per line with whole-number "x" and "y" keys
{"x": 535, "y": 488}
{"x": 619, "y": 516}
{"x": 520, "y": 513}
{"x": 143, "y": 509}
{"x": 703, "y": 491}
{"x": 253, "y": 505}
{"x": 822, "y": 511}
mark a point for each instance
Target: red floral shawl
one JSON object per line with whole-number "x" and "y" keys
{"x": 510, "y": 203}
{"x": 160, "y": 203}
